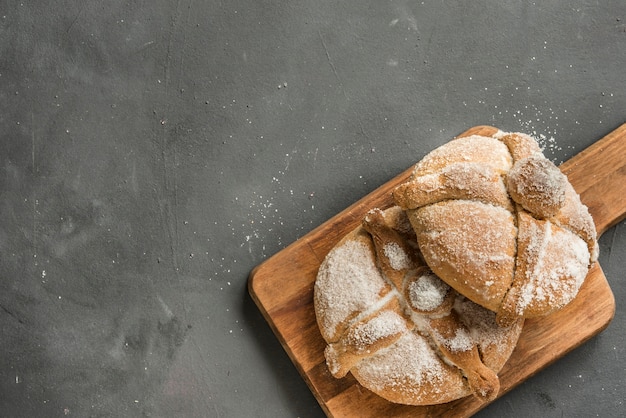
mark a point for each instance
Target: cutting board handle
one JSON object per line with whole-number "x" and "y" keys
{"x": 598, "y": 174}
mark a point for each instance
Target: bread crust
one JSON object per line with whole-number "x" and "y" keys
{"x": 481, "y": 270}
{"x": 479, "y": 233}
{"x": 402, "y": 332}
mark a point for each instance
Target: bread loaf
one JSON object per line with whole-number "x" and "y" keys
{"x": 501, "y": 224}
{"x": 402, "y": 332}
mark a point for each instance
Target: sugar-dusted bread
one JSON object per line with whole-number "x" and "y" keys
{"x": 501, "y": 224}
{"x": 402, "y": 332}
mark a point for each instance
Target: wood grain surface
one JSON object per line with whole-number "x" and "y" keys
{"x": 282, "y": 288}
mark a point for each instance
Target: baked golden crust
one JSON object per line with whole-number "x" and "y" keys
{"x": 551, "y": 266}
{"x": 501, "y": 224}
{"x": 402, "y": 332}
{"x": 447, "y": 234}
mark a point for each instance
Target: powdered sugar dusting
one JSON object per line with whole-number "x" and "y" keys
{"x": 475, "y": 260}
{"x": 383, "y": 325}
{"x": 460, "y": 341}
{"x": 558, "y": 265}
{"x": 463, "y": 150}
{"x": 410, "y": 362}
{"x": 359, "y": 287}
{"x": 427, "y": 292}
{"x": 398, "y": 258}
{"x": 482, "y": 325}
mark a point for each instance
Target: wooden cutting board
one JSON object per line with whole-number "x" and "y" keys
{"x": 282, "y": 288}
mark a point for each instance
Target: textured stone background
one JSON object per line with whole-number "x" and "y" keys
{"x": 154, "y": 152}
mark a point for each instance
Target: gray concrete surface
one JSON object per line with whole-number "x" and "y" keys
{"x": 154, "y": 152}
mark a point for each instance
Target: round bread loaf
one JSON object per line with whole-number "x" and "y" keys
{"x": 402, "y": 332}
{"x": 501, "y": 224}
